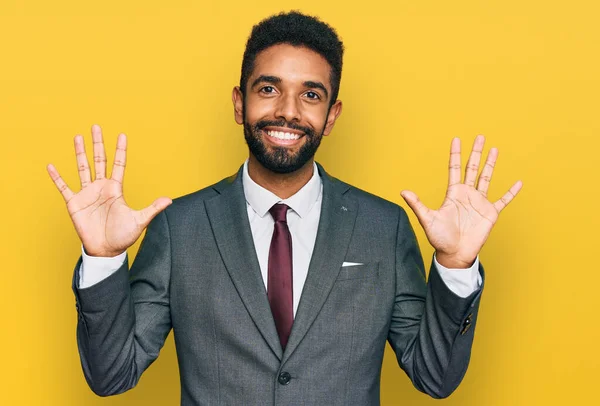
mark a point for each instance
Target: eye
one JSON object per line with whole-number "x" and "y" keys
{"x": 267, "y": 89}
{"x": 313, "y": 95}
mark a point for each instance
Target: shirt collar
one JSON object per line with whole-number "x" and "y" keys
{"x": 261, "y": 199}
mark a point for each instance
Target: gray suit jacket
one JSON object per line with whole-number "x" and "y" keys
{"x": 197, "y": 272}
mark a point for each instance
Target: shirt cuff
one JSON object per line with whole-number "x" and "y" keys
{"x": 463, "y": 282}
{"x": 96, "y": 269}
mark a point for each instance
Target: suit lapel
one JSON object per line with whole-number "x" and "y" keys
{"x": 228, "y": 218}
{"x": 338, "y": 214}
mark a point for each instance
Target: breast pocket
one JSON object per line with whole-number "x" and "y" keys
{"x": 368, "y": 270}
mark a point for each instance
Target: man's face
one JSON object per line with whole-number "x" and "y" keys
{"x": 285, "y": 111}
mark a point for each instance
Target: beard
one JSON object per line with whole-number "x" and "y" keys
{"x": 280, "y": 159}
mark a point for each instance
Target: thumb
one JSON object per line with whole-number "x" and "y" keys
{"x": 147, "y": 214}
{"x": 416, "y": 205}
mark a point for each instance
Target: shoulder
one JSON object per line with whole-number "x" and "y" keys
{"x": 367, "y": 202}
{"x": 379, "y": 216}
{"x": 194, "y": 202}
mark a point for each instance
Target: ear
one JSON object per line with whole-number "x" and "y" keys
{"x": 238, "y": 105}
{"x": 334, "y": 113}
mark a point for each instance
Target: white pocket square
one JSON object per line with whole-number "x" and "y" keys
{"x": 351, "y": 264}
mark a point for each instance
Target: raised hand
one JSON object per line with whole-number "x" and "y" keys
{"x": 460, "y": 227}
{"x": 105, "y": 224}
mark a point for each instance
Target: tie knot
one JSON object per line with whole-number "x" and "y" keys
{"x": 279, "y": 212}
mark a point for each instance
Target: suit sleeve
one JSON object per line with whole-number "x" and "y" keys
{"x": 432, "y": 328}
{"x": 124, "y": 320}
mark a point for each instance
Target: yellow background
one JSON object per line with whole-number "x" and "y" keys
{"x": 416, "y": 74}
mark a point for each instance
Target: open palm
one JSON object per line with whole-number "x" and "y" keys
{"x": 104, "y": 222}
{"x": 460, "y": 227}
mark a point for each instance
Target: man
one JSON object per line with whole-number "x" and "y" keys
{"x": 282, "y": 284}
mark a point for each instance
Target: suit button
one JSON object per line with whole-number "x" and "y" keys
{"x": 467, "y": 324}
{"x": 284, "y": 378}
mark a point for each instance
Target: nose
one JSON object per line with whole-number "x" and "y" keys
{"x": 288, "y": 108}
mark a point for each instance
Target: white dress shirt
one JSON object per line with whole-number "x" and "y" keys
{"x": 303, "y": 221}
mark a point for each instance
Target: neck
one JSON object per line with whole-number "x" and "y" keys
{"x": 283, "y": 185}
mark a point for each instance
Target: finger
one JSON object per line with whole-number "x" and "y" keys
{"x": 118, "y": 171}
{"x": 508, "y": 196}
{"x": 488, "y": 170}
{"x": 62, "y": 187}
{"x": 146, "y": 215}
{"x": 454, "y": 164}
{"x": 99, "y": 153}
{"x": 473, "y": 164}
{"x": 416, "y": 205}
{"x": 83, "y": 166}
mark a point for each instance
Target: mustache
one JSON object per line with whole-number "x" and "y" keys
{"x": 259, "y": 125}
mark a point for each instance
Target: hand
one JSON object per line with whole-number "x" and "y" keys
{"x": 460, "y": 227}
{"x": 105, "y": 224}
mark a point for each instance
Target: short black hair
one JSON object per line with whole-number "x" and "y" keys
{"x": 300, "y": 30}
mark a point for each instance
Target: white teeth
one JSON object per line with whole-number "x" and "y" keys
{"x": 283, "y": 136}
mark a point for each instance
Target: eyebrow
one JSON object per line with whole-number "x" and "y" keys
{"x": 266, "y": 78}
{"x": 277, "y": 80}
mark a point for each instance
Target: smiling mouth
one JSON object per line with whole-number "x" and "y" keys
{"x": 281, "y": 135}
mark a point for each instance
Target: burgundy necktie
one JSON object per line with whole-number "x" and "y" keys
{"x": 279, "y": 286}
